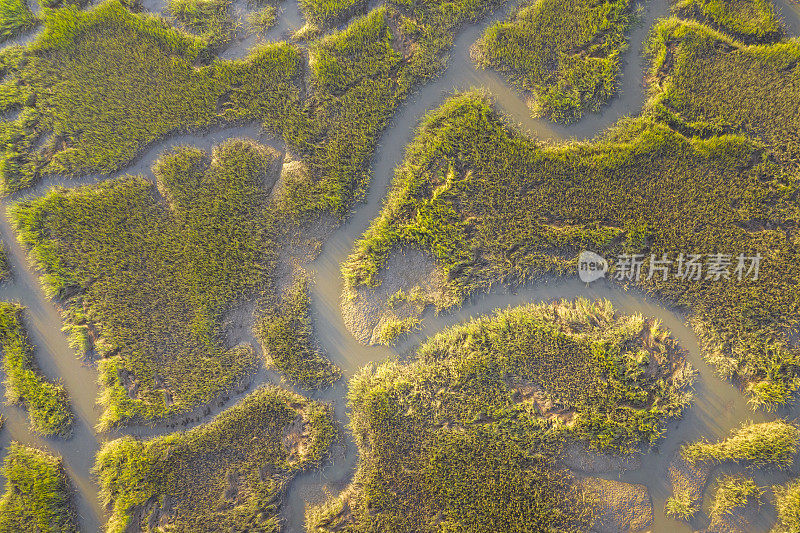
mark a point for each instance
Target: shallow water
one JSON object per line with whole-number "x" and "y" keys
{"x": 718, "y": 406}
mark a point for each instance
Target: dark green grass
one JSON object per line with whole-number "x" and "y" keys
{"x": 15, "y": 18}
{"x": 287, "y": 335}
{"x": 788, "y": 505}
{"x": 100, "y": 85}
{"x": 565, "y": 53}
{"x": 457, "y": 439}
{"x": 758, "y": 445}
{"x": 748, "y": 20}
{"x": 146, "y": 282}
{"x": 47, "y": 403}
{"x": 711, "y": 166}
{"x": 227, "y": 475}
{"x": 37, "y": 494}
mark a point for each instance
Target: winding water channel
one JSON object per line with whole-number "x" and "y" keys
{"x": 718, "y": 406}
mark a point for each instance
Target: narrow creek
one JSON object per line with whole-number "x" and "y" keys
{"x": 718, "y": 406}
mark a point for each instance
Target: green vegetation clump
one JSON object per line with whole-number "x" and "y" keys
{"x": 146, "y": 281}
{"x": 393, "y": 329}
{"x": 5, "y": 267}
{"x": 98, "y": 86}
{"x": 681, "y": 506}
{"x": 787, "y": 500}
{"x": 47, "y": 403}
{"x": 751, "y": 21}
{"x": 53, "y": 4}
{"x": 263, "y": 19}
{"x": 567, "y": 54}
{"x": 15, "y": 18}
{"x": 758, "y": 445}
{"x": 732, "y": 493}
{"x": 467, "y": 436}
{"x": 710, "y": 167}
{"x": 329, "y": 12}
{"x": 37, "y": 495}
{"x": 286, "y": 334}
{"x": 211, "y": 19}
{"x": 226, "y": 475}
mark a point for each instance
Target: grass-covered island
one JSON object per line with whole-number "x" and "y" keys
{"x": 37, "y": 494}
{"x": 287, "y": 336}
{"x": 148, "y": 271}
{"x": 566, "y": 54}
{"x": 709, "y": 167}
{"x": 98, "y": 86}
{"x": 467, "y": 436}
{"x": 47, "y": 403}
{"x": 226, "y": 475}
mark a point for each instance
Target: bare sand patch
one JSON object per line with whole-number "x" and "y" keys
{"x": 621, "y": 507}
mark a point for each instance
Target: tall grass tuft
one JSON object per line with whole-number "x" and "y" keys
{"x": 15, "y": 17}
{"x": 37, "y": 493}
{"x": 567, "y": 54}
{"x": 759, "y": 445}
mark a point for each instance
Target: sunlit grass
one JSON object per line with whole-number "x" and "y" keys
{"x": 710, "y": 166}
{"x": 47, "y": 403}
{"x": 566, "y": 53}
{"x": 463, "y": 432}
{"x": 331, "y": 11}
{"x": 227, "y": 475}
{"x": 147, "y": 281}
{"x": 732, "y": 493}
{"x": 749, "y": 20}
{"x": 37, "y": 493}
{"x": 107, "y": 83}
{"x": 788, "y": 505}
{"x": 15, "y": 18}
{"x": 286, "y": 333}
{"x": 758, "y": 445}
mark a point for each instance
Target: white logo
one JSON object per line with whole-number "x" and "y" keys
{"x": 591, "y": 267}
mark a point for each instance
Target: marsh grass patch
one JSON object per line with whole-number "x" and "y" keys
{"x": 37, "y": 493}
{"x": 47, "y": 403}
{"x": 98, "y": 86}
{"x": 710, "y": 166}
{"x": 467, "y": 435}
{"x": 15, "y": 18}
{"x": 228, "y": 474}
{"x": 146, "y": 276}
{"x": 565, "y": 54}
{"x": 286, "y": 334}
